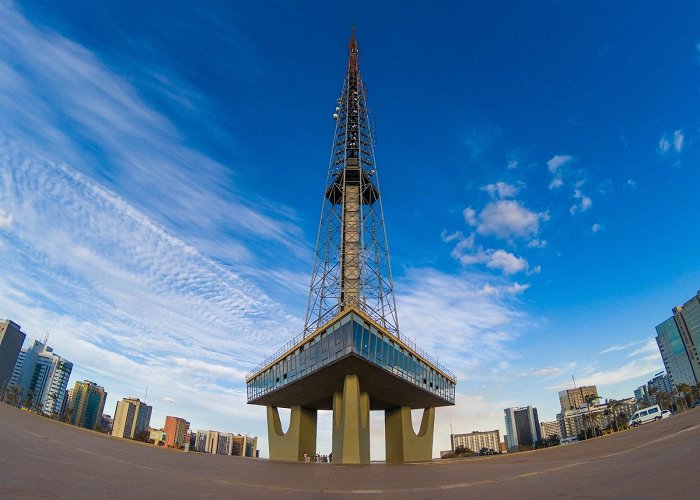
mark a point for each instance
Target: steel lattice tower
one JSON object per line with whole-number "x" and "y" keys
{"x": 350, "y": 357}
{"x": 351, "y": 263}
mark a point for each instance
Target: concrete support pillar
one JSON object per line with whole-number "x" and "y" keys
{"x": 351, "y": 423}
{"x": 404, "y": 445}
{"x": 300, "y": 438}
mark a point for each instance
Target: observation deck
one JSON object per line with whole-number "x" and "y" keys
{"x": 393, "y": 372}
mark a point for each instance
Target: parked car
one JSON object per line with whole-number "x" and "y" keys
{"x": 645, "y": 415}
{"x": 665, "y": 414}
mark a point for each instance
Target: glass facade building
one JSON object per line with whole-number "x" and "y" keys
{"x": 352, "y": 335}
{"x": 673, "y": 353}
{"x": 522, "y": 426}
{"x": 678, "y": 338}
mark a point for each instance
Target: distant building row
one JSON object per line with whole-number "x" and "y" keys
{"x": 37, "y": 378}
{"x": 224, "y": 443}
{"x": 34, "y": 377}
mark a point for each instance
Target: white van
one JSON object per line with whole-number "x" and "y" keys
{"x": 646, "y": 415}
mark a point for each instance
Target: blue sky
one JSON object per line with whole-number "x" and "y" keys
{"x": 162, "y": 168}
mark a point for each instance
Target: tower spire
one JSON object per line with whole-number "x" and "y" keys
{"x": 351, "y": 264}
{"x": 353, "y": 52}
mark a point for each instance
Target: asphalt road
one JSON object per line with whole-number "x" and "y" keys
{"x": 40, "y": 458}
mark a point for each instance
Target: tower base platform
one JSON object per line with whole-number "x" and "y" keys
{"x": 351, "y": 430}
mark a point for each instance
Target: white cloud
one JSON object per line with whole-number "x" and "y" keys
{"x": 5, "y": 219}
{"x": 678, "y": 141}
{"x": 542, "y": 372}
{"x": 491, "y": 258}
{"x": 512, "y": 164}
{"x": 476, "y": 326}
{"x": 672, "y": 143}
{"x": 620, "y": 347}
{"x": 516, "y": 288}
{"x": 129, "y": 303}
{"x": 447, "y": 238}
{"x": 170, "y": 400}
{"x": 470, "y": 216}
{"x": 535, "y": 270}
{"x": 557, "y": 162}
{"x": 649, "y": 347}
{"x": 136, "y": 150}
{"x": 584, "y": 202}
{"x": 506, "y": 219}
{"x": 537, "y": 243}
{"x": 500, "y": 190}
{"x": 556, "y": 182}
{"x": 628, "y": 371}
{"x": 499, "y": 290}
{"x": 596, "y": 228}
{"x": 506, "y": 261}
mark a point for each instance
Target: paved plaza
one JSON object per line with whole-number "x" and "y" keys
{"x": 40, "y": 458}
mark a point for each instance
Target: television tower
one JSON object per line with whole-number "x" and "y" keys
{"x": 351, "y": 263}
{"x": 350, "y": 357}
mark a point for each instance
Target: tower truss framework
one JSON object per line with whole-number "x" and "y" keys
{"x": 351, "y": 264}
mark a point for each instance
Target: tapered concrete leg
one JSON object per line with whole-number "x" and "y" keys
{"x": 351, "y": 423}
{"x": 300, "y": 438}
{"x": 402, "y": 444}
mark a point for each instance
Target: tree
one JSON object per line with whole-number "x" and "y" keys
{"x": 684, "y": 389}
{"x": 590, "y": 399}
{"x": 695, "y": 392}
{"x": 653, "y": 395}
{"x": 613, "y": 407}
{"x": 663, "y": 399}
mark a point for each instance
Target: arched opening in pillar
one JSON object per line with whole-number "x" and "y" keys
{"x": 284, "y": 414}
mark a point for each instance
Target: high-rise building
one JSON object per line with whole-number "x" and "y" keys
{"x": 11, "y": 340}
{"x": 522, "y": 426}
{"x": 87, "y": 403}
{"x": 201, "y": 440}
{"x": 477, "y": 440}
{"x": 573, "y": 399}
{"x": 177, "y": 431}
{"x": 43, "y": 377}
{"x": 678, "y": 339}
{"x": 244, "y": 446}
{"x": 551, "y": 428}
{"x": 107, "y": 422}
{"x": 131, "y": 418}
{"x": 641, "y": 394}
{"x": 660, "y": 383}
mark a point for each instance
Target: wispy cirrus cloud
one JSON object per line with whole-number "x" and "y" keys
{"x": 620, "y": 347}
{"x": 61, "y": 99}
{"x": 130, "y": 304}
{"x": 478, "y": 316}
{"x": 672, "y": 142}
